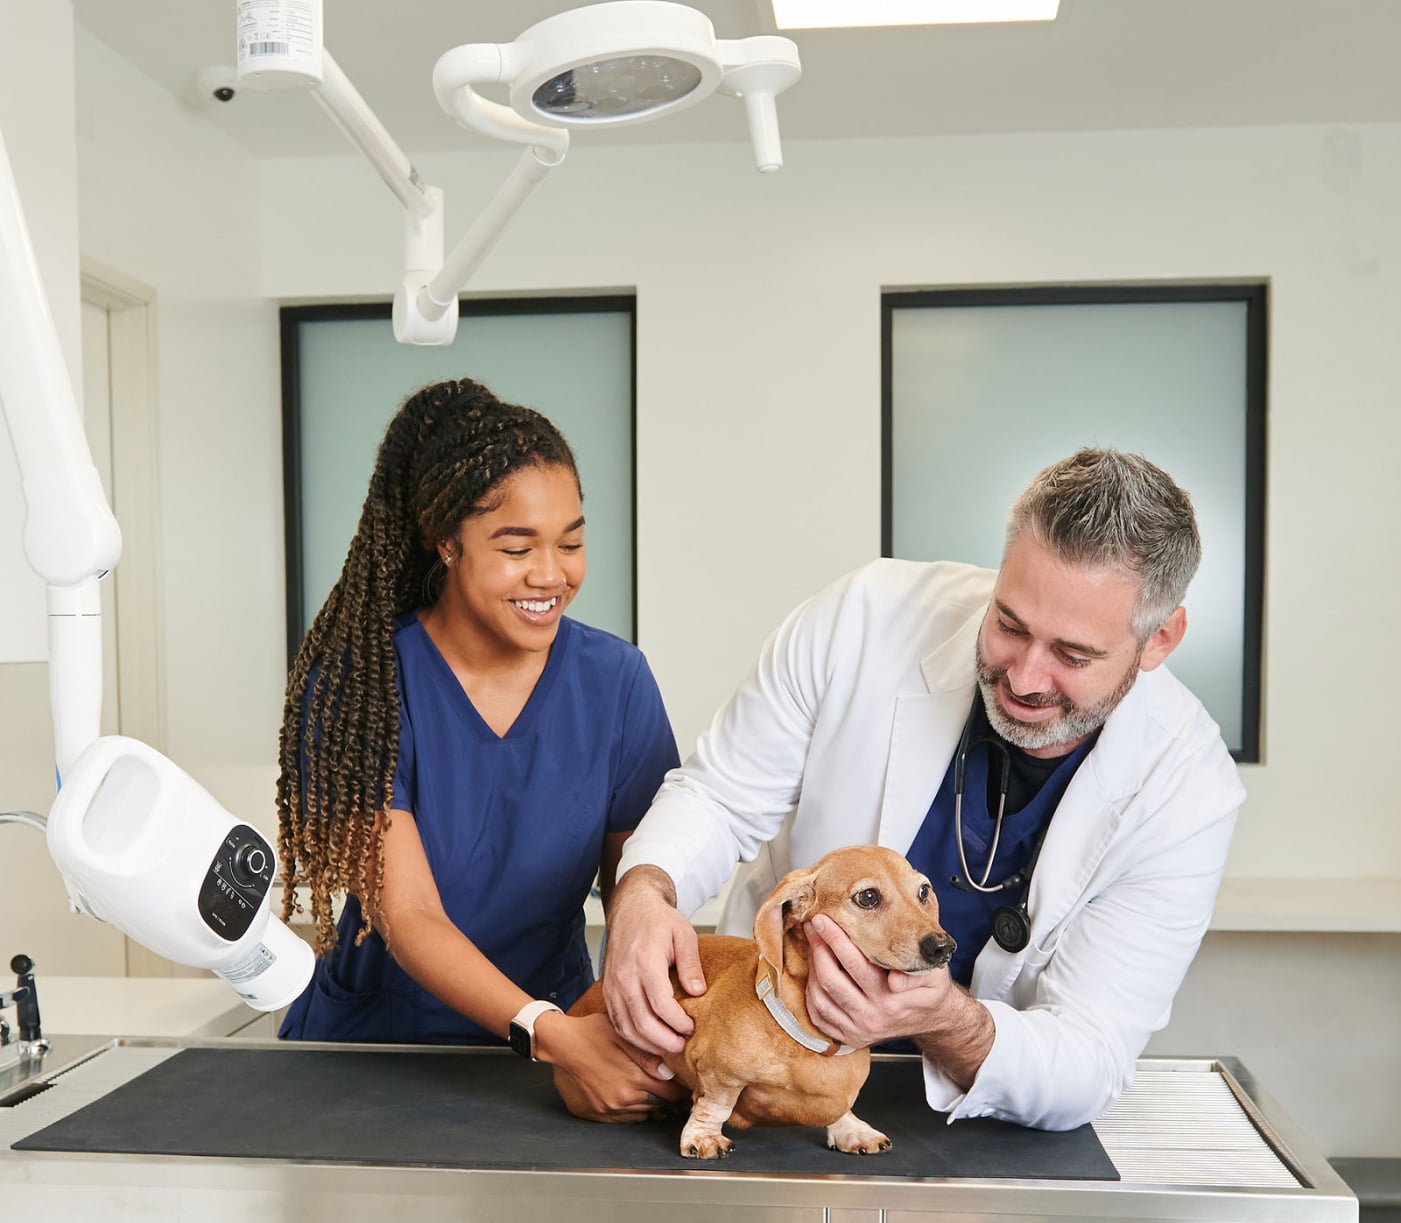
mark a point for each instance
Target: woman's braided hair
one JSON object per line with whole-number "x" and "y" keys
{"x": 447, "y": 449}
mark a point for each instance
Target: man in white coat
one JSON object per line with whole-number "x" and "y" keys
{"x": 949, "y": 713}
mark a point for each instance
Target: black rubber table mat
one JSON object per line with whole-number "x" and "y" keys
{"x": 493, "y": 1110}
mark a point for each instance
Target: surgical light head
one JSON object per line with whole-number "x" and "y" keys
{"x": 614, "y": 89}
{"x": 613, "y": 65}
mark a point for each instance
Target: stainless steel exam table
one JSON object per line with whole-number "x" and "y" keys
{"x": 1192, "y": 1139}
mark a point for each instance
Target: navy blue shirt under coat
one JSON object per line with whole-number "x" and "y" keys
{"x": 968, "y": 915}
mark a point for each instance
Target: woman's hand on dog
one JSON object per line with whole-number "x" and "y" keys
{"x": 646, "y": 938}
{"x": 608, "y": 1072}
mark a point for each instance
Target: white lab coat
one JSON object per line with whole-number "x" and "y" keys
{"x": 841, "y": 736}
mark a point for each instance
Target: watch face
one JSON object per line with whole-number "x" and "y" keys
{"x": 520, "y": 1041}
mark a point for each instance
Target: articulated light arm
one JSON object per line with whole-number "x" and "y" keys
{"x": 139, "y": 843}
{"x": 70, "y": 536}
{"x": 425, "y": 304}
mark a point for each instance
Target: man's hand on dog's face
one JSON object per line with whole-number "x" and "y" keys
{"x": 646, "y": 936}
{"x": 861, "y": 1004}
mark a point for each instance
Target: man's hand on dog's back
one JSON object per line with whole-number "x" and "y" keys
{"x": 647, "y": 936}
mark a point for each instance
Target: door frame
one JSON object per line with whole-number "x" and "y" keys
{"x": 140, "y": 661}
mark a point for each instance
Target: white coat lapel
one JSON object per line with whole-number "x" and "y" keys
{"x": 1089, "y": 814}
{"x": 1083, "y": 828}
{"x": 924, "y": 736}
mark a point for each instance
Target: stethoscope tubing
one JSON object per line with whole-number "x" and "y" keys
{"x": 1011, "y": 924}
{"x": 960, "y": 773}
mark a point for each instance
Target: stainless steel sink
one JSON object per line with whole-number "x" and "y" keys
{"x": 24, "y": 1073}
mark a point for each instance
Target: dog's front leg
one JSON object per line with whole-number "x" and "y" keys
{"x": 850, "y": 1134}
{"x": 702, "y": 1137}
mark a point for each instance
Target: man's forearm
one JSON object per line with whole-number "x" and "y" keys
{"x": 646, "y": 880}
{"x": 961, "y": 1043}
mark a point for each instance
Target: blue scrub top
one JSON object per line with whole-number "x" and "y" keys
{"x": 513, "y": 828}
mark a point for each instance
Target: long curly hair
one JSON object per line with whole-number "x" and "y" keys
{"x": 448, "y": 447}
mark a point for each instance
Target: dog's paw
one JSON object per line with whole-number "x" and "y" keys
{"x": 855, "y": 1137}
{"x": 705, "y": 1146}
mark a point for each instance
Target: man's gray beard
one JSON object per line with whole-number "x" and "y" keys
{"x": 1075, "y": 722}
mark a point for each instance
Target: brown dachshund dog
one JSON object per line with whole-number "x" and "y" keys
{"x": 745, "y": 1063}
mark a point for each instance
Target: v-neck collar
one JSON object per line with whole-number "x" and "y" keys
{"x": 530, "y": 711}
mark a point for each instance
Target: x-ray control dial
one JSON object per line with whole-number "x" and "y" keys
{"x": 237, "y": 880}
{"x": 249, "y": 864}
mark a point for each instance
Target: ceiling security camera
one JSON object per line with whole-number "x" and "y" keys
{"x": 216, "y": 84}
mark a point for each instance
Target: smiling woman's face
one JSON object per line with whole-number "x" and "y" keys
{"x": 517, "y": 567}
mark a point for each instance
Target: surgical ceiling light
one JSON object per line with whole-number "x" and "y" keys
{"x": 602, "y": 66}
{"x": 831, "y": 14}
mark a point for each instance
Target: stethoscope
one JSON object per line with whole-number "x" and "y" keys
{"x": 1011, "y": 924}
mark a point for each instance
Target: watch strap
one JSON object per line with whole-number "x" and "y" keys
{"x": 523, "y": 1026}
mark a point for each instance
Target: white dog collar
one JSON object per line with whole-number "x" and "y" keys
{"x": 768, "y": 994}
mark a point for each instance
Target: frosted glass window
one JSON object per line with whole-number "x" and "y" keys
{"x": 344, "y": 376}
{"x": 985, "y": 389}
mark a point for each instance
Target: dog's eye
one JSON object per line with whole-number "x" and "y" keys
{"x": 867, "y": 898}
{"x": 923, "y": 893}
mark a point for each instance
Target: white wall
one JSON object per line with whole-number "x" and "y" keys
{"x": 167, "y": 200}
{"x": 758, "y": 376}
{"x": 758, "y": 432}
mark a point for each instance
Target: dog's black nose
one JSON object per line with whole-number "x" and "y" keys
{"x": 937, "y": 949}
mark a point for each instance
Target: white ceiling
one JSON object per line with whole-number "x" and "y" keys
{"x": 1102, "y": 64}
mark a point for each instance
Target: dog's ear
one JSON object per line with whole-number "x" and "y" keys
{"x": 789, "y": 903}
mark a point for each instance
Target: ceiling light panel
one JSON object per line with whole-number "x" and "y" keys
{"x": 829, "y": 14}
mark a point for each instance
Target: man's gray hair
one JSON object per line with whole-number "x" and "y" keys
{"x": 1102, "y": 509}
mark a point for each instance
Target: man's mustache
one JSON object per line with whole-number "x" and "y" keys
{"x": 997, "y": 677}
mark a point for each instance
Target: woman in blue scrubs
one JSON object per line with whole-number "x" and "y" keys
{"x": 460, "y": 758}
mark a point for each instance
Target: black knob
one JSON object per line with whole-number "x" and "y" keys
{"x": 249, "y": 863}
{"x": 21, "y": 965}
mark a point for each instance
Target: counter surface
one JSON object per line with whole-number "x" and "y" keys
{"x": 1191, "y": 1140}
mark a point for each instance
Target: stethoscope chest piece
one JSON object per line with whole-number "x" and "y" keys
{"x": 1011, "y": 927}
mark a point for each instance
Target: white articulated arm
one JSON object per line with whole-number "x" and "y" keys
{"x": 139, "y": 843}
{"x": 70, "y": 536}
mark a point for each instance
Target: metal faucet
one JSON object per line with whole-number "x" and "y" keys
{"x": 32, "y": 818}
{"x": 24, "y": 998}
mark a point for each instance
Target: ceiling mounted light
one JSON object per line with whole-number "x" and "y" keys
{"x": 613, "y": 65}
{"x": 835, "y": 14}
{"x": 608, "y": 64}
{"x": 605, "y": 65}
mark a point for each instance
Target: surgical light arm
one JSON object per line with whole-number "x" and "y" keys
{"x": 138, "y": 842}
{"x": 425, "y": 303}
{"x": 645, "y": 58}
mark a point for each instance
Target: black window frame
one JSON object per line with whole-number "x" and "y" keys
{"x": 291, "y": 319}
{"x": 1255, "y": 297}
